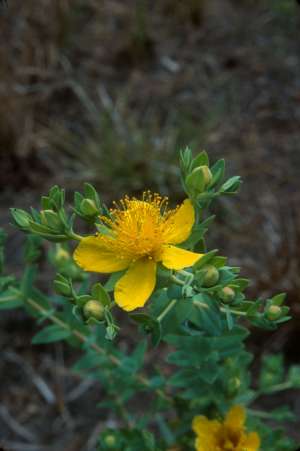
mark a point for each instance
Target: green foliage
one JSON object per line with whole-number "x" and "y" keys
{"x": 197, "y": 320}
{"x": 127, "y": 440}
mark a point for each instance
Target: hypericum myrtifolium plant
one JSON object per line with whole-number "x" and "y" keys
{"x": 176, "y": 292}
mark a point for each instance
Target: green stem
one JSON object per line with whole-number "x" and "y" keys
{"x": 276, "y": 388}
{"x": 166, "y": 310}
{"x": 74, "y": 236}
{"x": 85, "y": 339}
{"x": 260, "y": 414}
{"x": 234, "y": 312}
{"x": 176, "y": 280}
{"x": 124, "y": 413}
{"x": 8, "y": 298}
{"x": 184, "y": 273}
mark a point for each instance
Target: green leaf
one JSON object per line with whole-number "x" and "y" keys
{"x": 279, "y": 299}
{"x": 200, "y": 160}
{"x": 113, "y": 279}
{"x": 231, "y": 185}
{"x": 21, "y": 218}
{"x": 91, "y": 193}
{"x": 294, "y": 376}
{"x": 192, "y": 350}
{"x": 45, "y": 203}
{"x": 11, "y": 299}
{"x": 198, "y": 233}
{"x": 185, "y": 160}
{"x": 150, "y": 325}
{"x": 99, "y": 293}
{"x": 207, "y": 315}
{"x": 217, "y": 170}
{"x": 50, "y": 334}
{"x": 204, "y": 260}
{"x": 229, "y": 318}
{"x": 218, "y": 261}
{"x": 28, "y": 279}
{"x": 272, "y": 371}
{"x": 89, "y": 360}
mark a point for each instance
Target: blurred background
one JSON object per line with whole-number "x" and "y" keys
{"x": 108, "y": 91}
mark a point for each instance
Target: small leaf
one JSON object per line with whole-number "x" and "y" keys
{"x": 51, "y": 334}
{"x": 279, "y": 299}
{"x": 99, "y": 293}
{"x": 200, "y": 160}
{"x": 218, "y": 170}
{"x": 113, "y": 279}
{"x": 231, "y": 185}
{"x": 10, "y": 299}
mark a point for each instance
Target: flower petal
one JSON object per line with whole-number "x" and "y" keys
{"x": 252, "y": 442}
{"x": 178, "y": 226}
{"x": 90, "y": 255}
{"x": 202, "y": 426}
{"x": 207, "y": 432}
{"x": 235, "y": 418}
{"x": 135, "y": 287}
{"x": 173, "y": 257}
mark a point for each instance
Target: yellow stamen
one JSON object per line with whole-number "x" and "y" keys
{"x": 138, "y": 228}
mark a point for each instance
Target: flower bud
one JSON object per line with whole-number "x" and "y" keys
{"x": 21, "y": 218}
{"x": 51, "y": 219}
{"x": 199, "y": 178}
{"x": 88, "y": 207}
{"x": 110, "y": 441}
{"x": 207, "y": 175}
{"x": 211, "y": 276}
{"x": 61, "y": 255}
{"x": 227, "y": 295}
{"x": 93, "y": 309}
{"x": 273, "y": 312}
{"x": 233, "y": 386}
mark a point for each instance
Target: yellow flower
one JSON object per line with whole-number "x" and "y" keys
{"x": 230, "y": 435}
{"x": 138, "y": 235}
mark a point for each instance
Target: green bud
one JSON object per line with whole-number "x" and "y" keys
{"x": 93, "y": 309}
{"x": 56, "y": 197}
{"x": 227, "y": 295}
{"x": 273, "y": 312}
{"x": 51, "y": 219}
{"x": 211, "y": 276}
{"x": 88, "y": 207}
{"x": 206, "y": 174}
{"x": 110, "y": 441}
{"x": 199, "y": 179}
{"x": 61, "y": 255}
{"x": 21, "y": 218}
{"x": 233, "y": 386}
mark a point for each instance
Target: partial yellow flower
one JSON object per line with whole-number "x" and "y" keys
{"x": 138, "y": 235}
{"x": 230, "y": 435}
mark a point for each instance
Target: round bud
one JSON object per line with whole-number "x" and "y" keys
{"x": 273, "y": 312}
{"x": 211, "y": 276}
{"x": 93, "y": 309}
{"x": 199, "y": 178}
{"x": 233, "y": 385}
{"x": 88, "y": 207}
{"x": 51, "y": 219}
{"x": 207, "y": 175}
{"x": 61, "y": 255}
{"x": 110, "y": 441}
{"x": 227, "y": 295}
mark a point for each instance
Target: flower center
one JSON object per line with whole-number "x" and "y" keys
{"x": 229, "y": 440}
{"x": 137, "y": 228}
